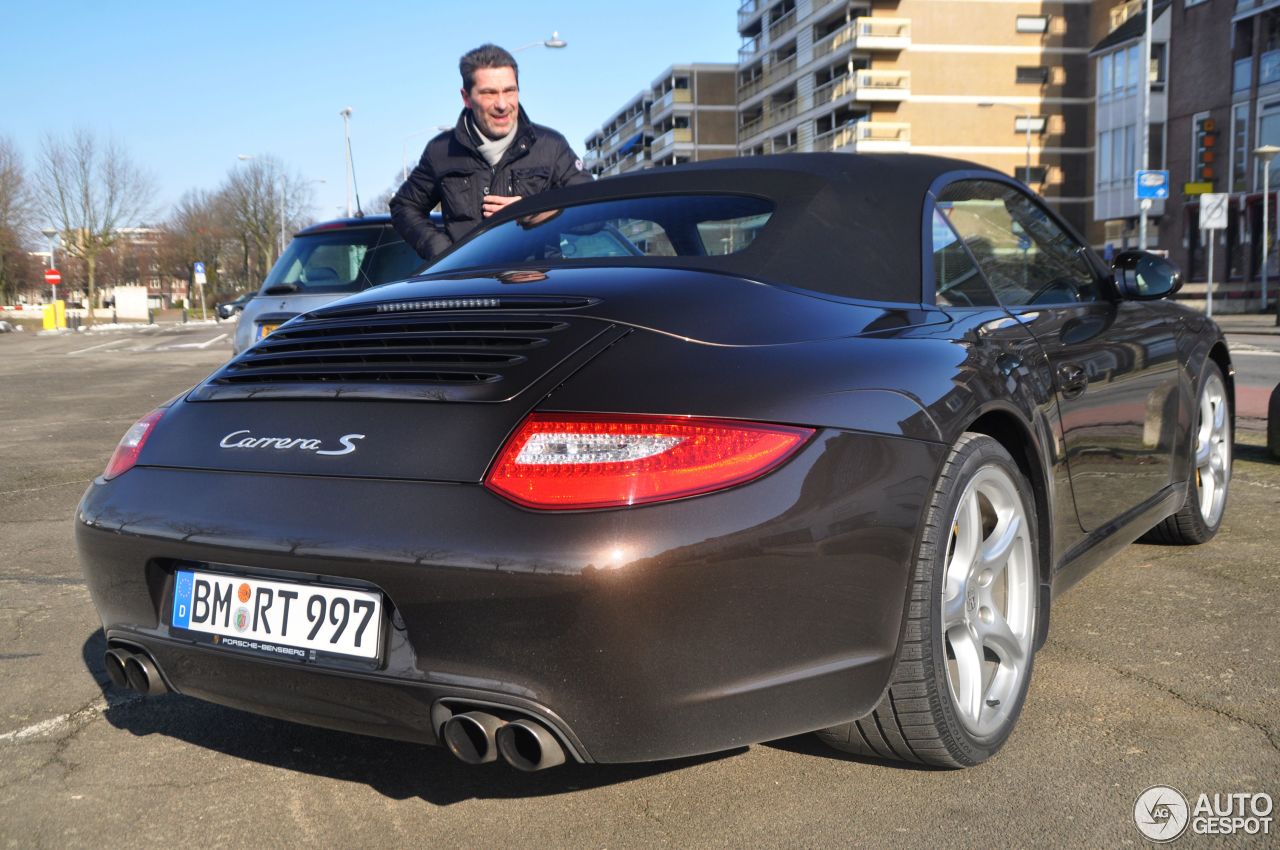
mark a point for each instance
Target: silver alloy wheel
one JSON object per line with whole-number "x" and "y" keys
{"x": 1213, "y": 450}
{"x": 988, "y": 601}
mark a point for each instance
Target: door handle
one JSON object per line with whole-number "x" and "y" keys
{"x": 1072, "y": 380}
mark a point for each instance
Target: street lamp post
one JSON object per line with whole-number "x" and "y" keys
{"x": 1145, "y": 153}
{"x": 345, "y": 112}
{"x": 1265, "y": 154}
{"x": 51, "y": 233}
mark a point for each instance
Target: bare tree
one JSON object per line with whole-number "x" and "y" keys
{"x": 15, "y": 221}
{"x": 199, "y": 230}
{"x": 90, "y": 191}
{"x": 257, "y": 194}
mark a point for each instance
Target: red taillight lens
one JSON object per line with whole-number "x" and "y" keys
{"x": 126, "y": 454}
{"x": 574, "y": 461}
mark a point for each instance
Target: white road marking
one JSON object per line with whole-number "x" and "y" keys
{"x": 65, "y": 721}
{"x": 95, "y": 347}
{"x": 202, "y": 345}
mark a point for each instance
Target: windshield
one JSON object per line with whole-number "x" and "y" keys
{"x": 667, "y": 226}
{"x": 342, "y": 260}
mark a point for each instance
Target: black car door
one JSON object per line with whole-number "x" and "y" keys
{"x": 1113, "y": 362}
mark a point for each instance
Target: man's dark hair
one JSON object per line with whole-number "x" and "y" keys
{"x": 485, "y": 56}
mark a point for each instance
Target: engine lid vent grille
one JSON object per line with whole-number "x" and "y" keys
{"x": 370, "y": 355}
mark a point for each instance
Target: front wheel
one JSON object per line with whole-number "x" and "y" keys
{"x": 965, "y": 660}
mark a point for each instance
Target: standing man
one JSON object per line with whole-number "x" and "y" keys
{"x": 493, "y": 157}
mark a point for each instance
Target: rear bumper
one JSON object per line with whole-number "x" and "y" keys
{"x": 639, "y": 634}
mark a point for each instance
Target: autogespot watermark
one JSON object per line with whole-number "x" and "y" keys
{"x": 1162, "y": 814}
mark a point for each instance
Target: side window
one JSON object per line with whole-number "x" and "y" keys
{"x": 957, "y": 281}
{"x": 1026, "y": 256}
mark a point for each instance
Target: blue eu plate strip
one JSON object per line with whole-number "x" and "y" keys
{"x": 182, "y": 587}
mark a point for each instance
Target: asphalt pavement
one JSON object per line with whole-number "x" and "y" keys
{"x": 1162, "y": 667}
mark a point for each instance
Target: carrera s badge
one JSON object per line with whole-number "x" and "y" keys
{"x": 245, "y": 440}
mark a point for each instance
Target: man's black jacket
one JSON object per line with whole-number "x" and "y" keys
{"x": 453, "y": 173}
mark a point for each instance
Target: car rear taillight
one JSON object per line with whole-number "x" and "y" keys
{"x": 126, "y": 454}
{"x": 574, "y": 461}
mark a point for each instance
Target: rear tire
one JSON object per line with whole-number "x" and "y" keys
{"x": 1211, "y": 456}
{"x": 965, "y": 660}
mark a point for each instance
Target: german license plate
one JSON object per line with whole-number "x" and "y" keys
{"x": 284, "y": 619}
{"x": 266, "y": 330}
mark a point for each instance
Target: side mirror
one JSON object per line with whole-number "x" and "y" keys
{"x": 1141, "y": 276}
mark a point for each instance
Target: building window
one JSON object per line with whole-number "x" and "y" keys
{"x": 1239, "y": 147}
{"x": 1034, "y": 176}
{"x": 1104, "y": 158}
{"x": 1033, "y": 23}
{"x": 1033, "y": 123}
{"x": 1033, "y": 74}
{"x": 1105, "y": 66}
{"x": 1268, "y": 133}
{"x": 1159, "y": 52}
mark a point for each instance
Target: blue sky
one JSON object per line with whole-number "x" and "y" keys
{"x": 187, "y": 86}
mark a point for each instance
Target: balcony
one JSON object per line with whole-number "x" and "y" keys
{"x": 866, "y": 34}
{"x": 779, "y": 27}
{"x": 829, "y": 44}
{"x": 675, "y": 136}
{"x": 834, "y": 90}
{"x": 749, "y": 11}
{"x": 750, "y": 47}
{"x": 883, "y": 136}
{"x": 772, "y": 74}
{"x": 882, "y": 33}
{"x": 772, "y": 117}
{"x": 882, "y": 85}
{"x": 866, "y": 136}
{"x": 632, "y": 161}
{"x": 665, "y": 103}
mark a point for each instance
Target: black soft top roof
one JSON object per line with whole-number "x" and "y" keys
{"x": 845, "y": 224}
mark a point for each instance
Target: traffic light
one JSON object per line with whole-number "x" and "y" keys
{"x": 1206, "y": 150}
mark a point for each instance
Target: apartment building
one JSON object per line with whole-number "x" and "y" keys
{"x": 622, "y": 143}
{"x": 687, "y": 114}
{"x": 1118, "y": 59}
{"x": 1224, "y": 102}
{"x": 1005, "y": 83}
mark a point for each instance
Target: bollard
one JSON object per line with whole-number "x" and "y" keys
{"x": 151, "y": 316}
{"x": 114, "y": 320}
{"x": 184, "y": 315}
{"x": 1273, "y": 424}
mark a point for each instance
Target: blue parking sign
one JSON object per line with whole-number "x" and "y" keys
{"x": 1152, "y": 185}
{"x": 199, "y": 269}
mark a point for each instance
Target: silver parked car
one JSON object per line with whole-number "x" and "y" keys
{"x": 323, "y": 263}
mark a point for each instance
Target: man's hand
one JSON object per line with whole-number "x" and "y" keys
{"x": 494, "y": 203}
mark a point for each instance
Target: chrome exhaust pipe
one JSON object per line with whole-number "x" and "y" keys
{"x": 470, "y": 736}
{"x": 529, "y": 746}
{"x": 143, "y": 675}
{"x": 114, "y": 660}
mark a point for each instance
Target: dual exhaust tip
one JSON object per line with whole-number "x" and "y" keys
{"x": 477, "y": 737}
{"x": 134, "y": 671}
